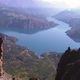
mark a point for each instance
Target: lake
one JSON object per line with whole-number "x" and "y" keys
{"x": 54, "y": 39}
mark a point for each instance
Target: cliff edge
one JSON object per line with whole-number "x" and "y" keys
{"x": 69, "y": 66}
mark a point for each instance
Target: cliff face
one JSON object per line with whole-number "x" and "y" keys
{"x": 24, "y": 63}
{"x": 3, "y": 74}
{"x": 20, "y": 22}
{"x": 69, "y": 66}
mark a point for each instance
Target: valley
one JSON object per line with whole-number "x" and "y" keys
{"x": 35, "y": 36}
{"x": 23, "y": 63}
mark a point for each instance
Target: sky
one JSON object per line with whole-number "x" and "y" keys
{"x": 64, "y": 3}
{"x": 42, "y": 3}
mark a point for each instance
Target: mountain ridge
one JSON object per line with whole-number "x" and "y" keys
{"x": 73, "y": 19}
{"x": 21, "y": 22}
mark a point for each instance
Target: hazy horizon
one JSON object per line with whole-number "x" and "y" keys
{"x": 65, "y": 4}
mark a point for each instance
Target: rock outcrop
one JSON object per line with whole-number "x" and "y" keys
{"x": 3, "y": 74}
{"x": 1, "y": 57}
{"x": 69, "y": 66}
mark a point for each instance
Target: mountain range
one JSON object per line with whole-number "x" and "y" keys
{"x": 36, "y": 7}
{"x": 14, "y": 20}
{"x": 67, "y": 15}
{"x": 24, "y": 3}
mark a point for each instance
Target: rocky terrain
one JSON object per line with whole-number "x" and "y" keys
{"x": 24, "y": 63}
{"x": 17, "y": 21}
{"x": 69, "y": 65}
{"x": 73, "y": 19}
{"x": 6, "y": 77}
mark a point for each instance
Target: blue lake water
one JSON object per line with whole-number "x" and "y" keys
{"x": 54, "y": 39}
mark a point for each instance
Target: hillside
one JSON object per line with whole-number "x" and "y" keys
{"x": 24, "y": 63}
{"x": 67, "y": 15}
{"x": 73, "y": 19}
{"x": 74, "y": 33}
{"x": 17, "y": 21}
{"x": 33, "y": 7}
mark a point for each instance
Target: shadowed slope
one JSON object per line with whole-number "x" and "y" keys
{"x": 69, "y": 66}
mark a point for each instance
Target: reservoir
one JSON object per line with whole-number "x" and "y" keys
{"x": 50, "y": 40}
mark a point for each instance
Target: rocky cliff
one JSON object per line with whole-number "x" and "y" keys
{"x": 69, "y": 66}
{"x": 3, "y": 74}
{"x": 13, "y": 20}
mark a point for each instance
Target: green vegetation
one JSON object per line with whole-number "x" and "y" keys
{"x": 24, "y": 64}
